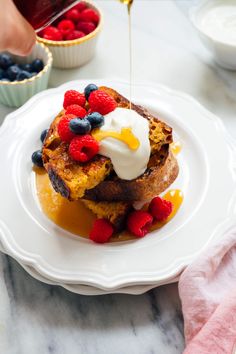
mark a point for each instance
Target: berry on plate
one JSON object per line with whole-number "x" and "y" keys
{"x": 89, "y": 15}
{"x": 63, "y": 129}
{"x": 139, "y": 222}
{"x": 73, "y": 15}
{"x": 86, "y": 27}
{"x": 43, "y": 135}
{"x": 101, "y": 102}
{"x": 73, "y": 97}
{"x": 74, "y": 35}
{"x": 83, "y": 148}
{"x": 160, "y": 208}
{"x": 65, "y": 26}
{"x": 96, "y": 119}
{"x": 76, "y": 110}
{"x": 52, "y": 33}
{"x": 102, "y": 231}
{"x": 37, "y": 158}
{"x": 88, "y": 89}
{"x": 5, "y": 61}
{"x": 27, "y": 67}
{"x": 80, "y": 126}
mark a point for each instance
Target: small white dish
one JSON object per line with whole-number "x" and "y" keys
{"x": 77, "y": 52}
{"x": 222, "y": 47}
{"x": 206, "y": 162}
{"x": 16, "y": 93}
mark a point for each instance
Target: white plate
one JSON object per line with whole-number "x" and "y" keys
{"x": 207, "y": 178}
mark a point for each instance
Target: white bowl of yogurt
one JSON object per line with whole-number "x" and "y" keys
{"x": 215, "y": 21}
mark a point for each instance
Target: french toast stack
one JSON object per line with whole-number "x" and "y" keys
{"x": 96, "y": 184}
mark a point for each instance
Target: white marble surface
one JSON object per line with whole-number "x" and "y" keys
{"x": 36, "y": 318}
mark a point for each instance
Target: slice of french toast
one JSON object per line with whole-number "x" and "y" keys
{"x": 96, "y": 180}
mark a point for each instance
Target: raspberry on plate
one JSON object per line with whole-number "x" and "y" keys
{"x": 80, "y": 6}
{"x": 73, "y": 15}
{"x": 73, "y": 97}
{"x": 102, "y": 231}
{"x": 139, "y": 222}
{"x": 66, "y": 26}
{"x": 83, "y": 148}
{"x": 63, "y": 128}
{"x": 76, "y": 110}
{"x": 86, "y": 27}
{"x": 89, "y": 15}
{"x": 74, "y": 35}
{"x": 52, "y": 33}
{"x": 101, "y": 102}
{"x": 160, "y": 208}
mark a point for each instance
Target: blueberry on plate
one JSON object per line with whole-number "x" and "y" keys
{"x": 43, "y": 135}
{"x": 95, "y": 119}
{"x": 12, "y": 72}
{"x": 5, "y": 61}
{"x": 37, "y": 158}
{"x": 37, "y": 65}
{"x": 88, "y": 89}
{"x": 26, "y": 67}
{"x": 80, "y": 126}
{"x": 22, "y": 75}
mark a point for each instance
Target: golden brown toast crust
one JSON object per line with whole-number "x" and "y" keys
{"x": 92, "y": 180}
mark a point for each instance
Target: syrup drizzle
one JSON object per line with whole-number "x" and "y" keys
{"x": 129, "y": 4}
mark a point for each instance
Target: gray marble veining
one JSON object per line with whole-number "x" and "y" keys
{"x": 36, "y": 318}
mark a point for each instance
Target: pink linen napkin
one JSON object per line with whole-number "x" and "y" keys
{"x": 207, "y": 290}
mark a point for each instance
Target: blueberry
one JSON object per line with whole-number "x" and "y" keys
{"x": 5, "y": 61}
{"x": 27, "y": 67}
{"x": 33, "y": 74}
{"x": 80, "y": 126}
{"x": 95, "y": 119}
{"x": 22, "y": 75}
{"x": 88, "y": 89}
{"x": 5, "y": 79}
{"x": 2, "y": 73}
{"x": 37, "y": 158}
{"x": 37, "y": 65}
{"x": 12, "y": 72}
{"x": 43, "y": 135}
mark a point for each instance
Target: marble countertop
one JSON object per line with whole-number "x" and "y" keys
{"x": 37, "y": 318}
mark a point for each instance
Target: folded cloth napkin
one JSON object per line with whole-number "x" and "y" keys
{"x": 207, "y": 290}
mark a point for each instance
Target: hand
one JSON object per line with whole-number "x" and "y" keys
{"x": 16, "y": 34}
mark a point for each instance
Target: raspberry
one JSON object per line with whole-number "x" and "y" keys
{"x": 52, "y": 33}
{"x": 160, "y": 208}
{"x": 77, "y": 110}
{"x": 101, "y": 102}
{"x": 83, "y": 148}
{"x": 74, "y": 35}
{"x": 89, "y": 15}
{"x": 66, "y": 26}
{"x": 73, "y": 15}
{"x": 86, "y": 27}
{"x": 139, "y": 222}
{"x": 102, "y": 231}
{"x": 63, "y": 129}
{"x": 73, "y": 97}
{"x": 80, "y": 6}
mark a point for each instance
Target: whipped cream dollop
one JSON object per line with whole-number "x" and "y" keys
{"x": 128, "y": 163}
{"x": 218, "y": 20}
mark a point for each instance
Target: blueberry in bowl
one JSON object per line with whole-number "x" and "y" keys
{"x": 21, "y": 78}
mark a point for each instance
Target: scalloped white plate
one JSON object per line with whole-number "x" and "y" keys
{"x": 207, "y": 178}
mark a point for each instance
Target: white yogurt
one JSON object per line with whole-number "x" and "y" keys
{"x": 218, "y": 20}
{"x": 127, "y": 163}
